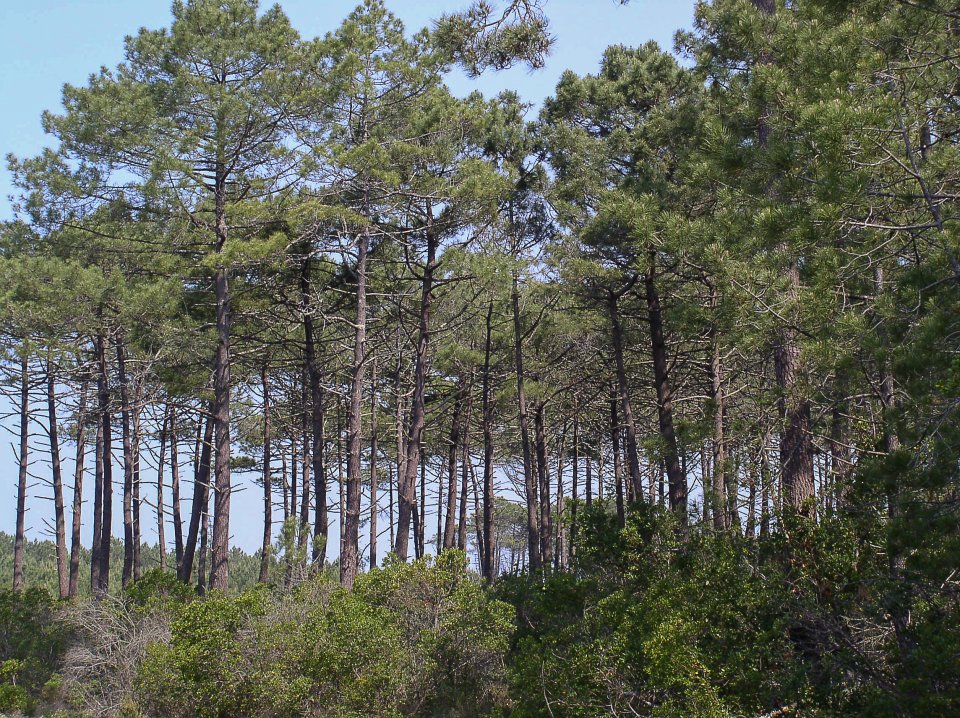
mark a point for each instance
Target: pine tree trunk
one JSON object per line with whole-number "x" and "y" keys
{"x": 466, "y": 468}
{"x": 630, "y": 426}
{"x": 201, "y": 497}
{"x": 487, "y": 563}
{"x": 617, "y": 471}
{"x": 161, "y": 537}
{"x": 453, "y": 445}
{"x": 81, "y": 441}
{"x": 374, "y": 507}
{"x": 106, "y": 482}
{"x": 529, "y": 482}
{"x": 412, "y": 459}
{"x": 63, "y": 575}
{"x": 128, "y": 537}
{"x": 349, "y": 559}
{"x": 23, "y": 462}
{"x": 267, "y": 542}
{"x": 175, "y": 491}
{"x": 543, "y": 480}
{"x": 658, "y": 349}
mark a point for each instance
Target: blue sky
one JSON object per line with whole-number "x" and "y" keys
{"x": 46, "y": 43}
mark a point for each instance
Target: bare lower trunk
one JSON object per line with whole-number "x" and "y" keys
{"x": 221, "y": 423}
{"x": 175, "y": 491}
{"x": 201, "y": 495}
{"x": 487, "y": 564}
{"x": 350, "y": 558}
{"x": 267, "y": 542}
{"x": 81, "y": 441}
{"x": 374, "y": 508}
{"x": 106, "y": 470}
{"x": 407, "y": 481}
{"x": 161, "y": 537}
{"x": 453, "y": 444}
{"x": 617, "y": 470}
{"x": 529, "y": 481}
{"x": 23, "y": 461}
{"x": 623, "y": 391}
{"x": 658, "y": 349}
{"x": 60, "y": 523}
{"x": 128, "y": 537}
{"x": 543, "y": 485}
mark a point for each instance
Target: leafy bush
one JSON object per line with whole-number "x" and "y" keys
{"x": 31, "y": 644}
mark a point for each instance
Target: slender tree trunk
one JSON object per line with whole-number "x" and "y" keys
{"x": 175, "y": 491}
{"x": 136, "y": 442}
{"x": 453, "y": 445}
{"x": 617, "y": 470}
{"x": 305, "y": 432}
{"x": 128, "y": 538}
{"x": 543, "y": 480}
{"x": 95, "y": 544}
{"x": 718, "y": 502}
{"x": 466, "y": 468}
{"x": 106, "y": 484}
{"x": 623, "y": 390}
{"x": 415, "y": 427}
{"x": 529, "y": 482}
{"x": 161, "y": 537}
{"x": 267, "y": 543}
{"x": 675, "y": 477}
{"x": 221, "y": 400}
{"x": 575, "y": 487}
{"x": 202, "y": 561}
{"x": 81, "y": 441}
{"x": 558, "y": 537}
{"x": 201, "y": 496}
{"x": 374, "y": 507}
{"x": 350, "y": 559}
{"x": 487, "y": 563}
{"x": 60, "y": 523}
{"x": 23, "y": 463}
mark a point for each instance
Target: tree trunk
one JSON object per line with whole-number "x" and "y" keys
{"x": 453, "y": 445}
{"x": 374, "y": 508}
{"x": 617, "y": 471}
{"x": 466, "y": 468}
{"x": 350, "y": 558}
{"x": 721, "y": 518}
{"x": 267, "y": 542}
{"x": 63, "y": 575}
{"x": 658, "y": 349}
{"x": 487, "y": 564}
{"x": 221, "y": 400}
{"x": 23, "y": 461}
{"x": 630, "y": 426}
{"x": 128, "y": 537}
{"x": 529, "y": 482}
{"x": 415, "y": 427}
{"x": 175, "y": 491}
{"x": 543, "y": 480}
{"x": 161, "y": 537}
{"x": 81, "y": 440}
{"x": 201, "y": 495}
{"x": 106, "y": 482}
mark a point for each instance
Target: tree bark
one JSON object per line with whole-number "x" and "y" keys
{"x": 81, "y": 441}
{"x": 201, "y": 496}
{"x": 23, "y": 460}
{"x": 350, "y": 558}
{"x": 658, "y": 349}
{"x": 128, "y": 537}
{"x": 161, "y": 537}
{"x": 543, "y": 481}
{"x": 617, "y": 469}
{"x": 63, "y": 574}
{"x": 407, "y": 482}
{"x": 102, "y": 584}
{"x": 374, "y": 508}
{"x": 623, "y": 390}
{"x": 175, "y": 491}
{"x": 487, "y": 564}
{"x": 453, "y": 445}
{"x": 529, "y": 482}
{"x": 267, "y": 542}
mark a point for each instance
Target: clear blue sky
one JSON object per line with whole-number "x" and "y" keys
{"x": 46, "y": 43}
